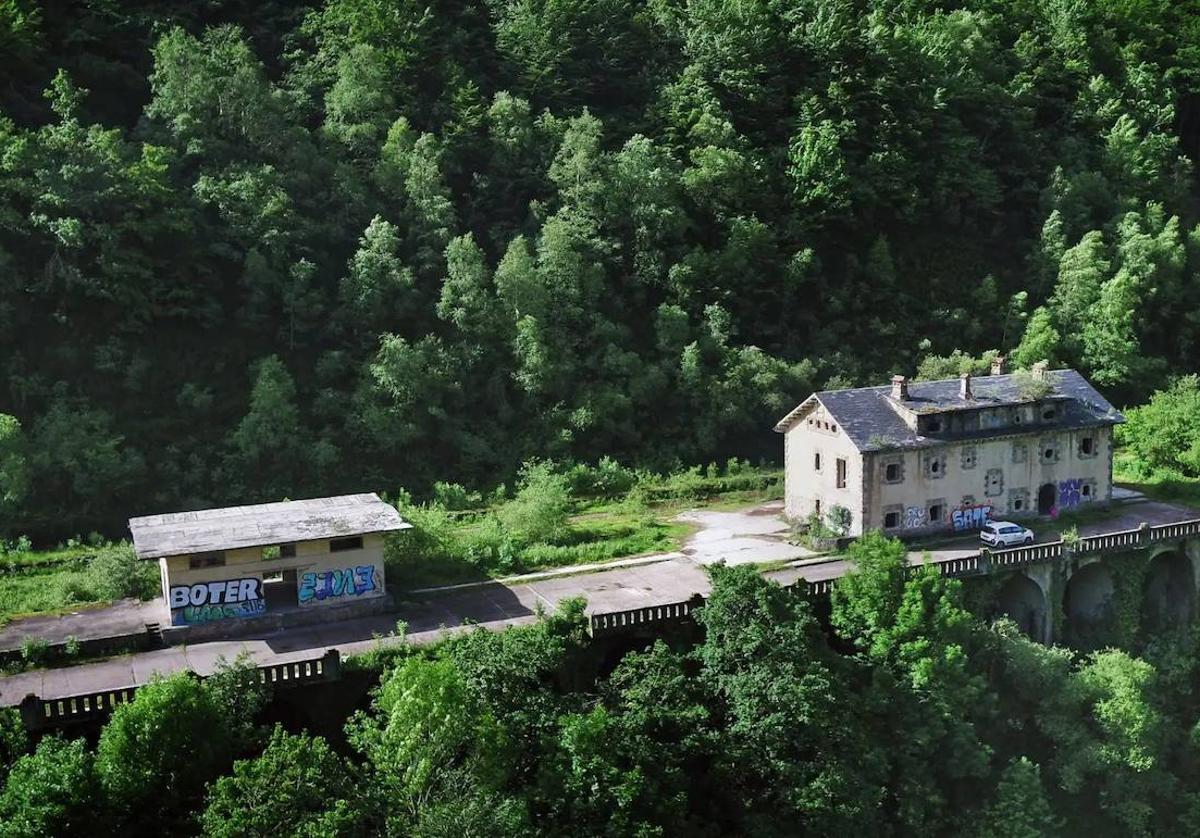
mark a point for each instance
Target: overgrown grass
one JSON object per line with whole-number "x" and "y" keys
{"x": 1160, "y": 484}
{"x": 611, "y": 513}
{"x": 71, "y": 577}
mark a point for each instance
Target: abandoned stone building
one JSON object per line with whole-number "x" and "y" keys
{"x": 919, "y": 457}
{"x": 320, "y": 558}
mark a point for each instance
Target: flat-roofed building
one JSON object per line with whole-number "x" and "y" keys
{"x": 248, "y": 561}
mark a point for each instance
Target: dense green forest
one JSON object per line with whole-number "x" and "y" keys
{"x": 897, "y": 712}
{"x": 254, "y": 250}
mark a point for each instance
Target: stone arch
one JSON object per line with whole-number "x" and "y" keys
{"x": 1168, "y": 592}
{"x": 1087, "y": 606}
{"x": 1021, "y": 599}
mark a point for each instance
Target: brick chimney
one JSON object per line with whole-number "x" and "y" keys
{"x": 964, "y": 387}
{"x": 899, "y": 388}
{"x": 1039, "y": 370}
{"x": 998, "y": 365}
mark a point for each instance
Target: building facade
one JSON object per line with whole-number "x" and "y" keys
{"x": 923, "y": 457}
{"x": 249, "y": 561}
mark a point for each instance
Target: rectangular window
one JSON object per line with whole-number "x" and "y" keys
{"x": 287, "y": 551}
{"x": 935, "y": 466}
{"x": 1020, "y": 452}
{"x": 215, "y": 558}
{"x": 341, "y": 545}
{"x": 891, "y": 520}
{"x": 893, "y": 471}
{"x": 969, "y": 456}
{"x": 816, "y": 461}
{"x": 1087, "y": 446}
{"x": 937, "y": 512}
{"x": 994, "y": 482}
{"x": 841, "y": 473}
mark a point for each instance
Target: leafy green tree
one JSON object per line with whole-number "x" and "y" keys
{"x": 429, "y": 736}
{"x": 14, "y": 472}
{"x": 1165, "y": 433}
{"x": 539, "y": 510}
{"x": 296, "y": 786}
{"x": 1021, "y": 808}
{"x": 157, "y": 752}
{"x": 52, "y": 791}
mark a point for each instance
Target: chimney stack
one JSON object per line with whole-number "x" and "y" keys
{"x": 998, "y": 365}
{"x": 964, "y": 387}
{"x": 899, "y": 388}
{"x": 1039, "y": 370}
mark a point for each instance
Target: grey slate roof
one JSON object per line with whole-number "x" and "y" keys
{"x": 259, "y": 525}
{"x": 874, "y": 425}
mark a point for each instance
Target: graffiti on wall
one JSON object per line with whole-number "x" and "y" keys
{"x": 971, "y": 517}
{"x": 194, "y": 615}
{"x": 1070, "y": 493}
{"x": 914, "y": 516}
{"x": 337, "y": 583}
{"x": 204, "y": 602}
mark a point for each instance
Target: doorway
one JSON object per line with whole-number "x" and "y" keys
{"x": 1046, "y": 497}
{"x": 279, "y": 590}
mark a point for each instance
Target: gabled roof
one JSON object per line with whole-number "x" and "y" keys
{"x": 263, "y": 524}
{"x": 871, "y": 419}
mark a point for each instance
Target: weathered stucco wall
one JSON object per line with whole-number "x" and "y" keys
{"x": 805, "y": 486}
{"x": 322, "y": 578}
{"x": 961, "y": 485}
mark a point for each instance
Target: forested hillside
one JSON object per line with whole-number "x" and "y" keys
{"x": 250, "y": 250}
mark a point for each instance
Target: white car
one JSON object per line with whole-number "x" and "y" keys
{"x": 1005, "y": 534}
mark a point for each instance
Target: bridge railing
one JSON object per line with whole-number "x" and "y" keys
{"x": 616, "y": 621}
{"x": 1120, "y": 540}
{"x": 38, "y": 713}
{"x": 1181, "y": 529}
{"x": 1023, "y": 555}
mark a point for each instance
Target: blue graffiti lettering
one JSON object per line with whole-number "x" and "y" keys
{"x": 337, "y": 583}
{"x": 971, "y": 517}
{"x": 1070, "y": 493}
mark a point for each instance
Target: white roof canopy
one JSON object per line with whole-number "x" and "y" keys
{"x": 263, "y": 524}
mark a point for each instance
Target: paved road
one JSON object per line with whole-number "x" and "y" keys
{"x": 494, "y": 606}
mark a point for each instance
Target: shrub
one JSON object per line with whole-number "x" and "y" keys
{"x": 116, "y": 573}
{"x": 1165, "y": 433}
{"x": 606, "y": 479}
{"x": 539, "y": 511}
{"x": 34, "y": 650}
{"x": 454, "y": 497}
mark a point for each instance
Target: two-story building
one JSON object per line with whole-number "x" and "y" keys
{"x": 926, "y": 456}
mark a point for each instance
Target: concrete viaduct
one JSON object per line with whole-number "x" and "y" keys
{"x": 1055, "y": 591}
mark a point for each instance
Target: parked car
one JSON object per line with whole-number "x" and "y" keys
{"x": 1005, "y": 534}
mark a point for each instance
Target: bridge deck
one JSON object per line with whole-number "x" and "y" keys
{"x": 494, "y": 606}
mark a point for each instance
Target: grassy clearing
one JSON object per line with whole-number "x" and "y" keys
{"x": 552, "y": 522}
{"x": 70, "y": 577}
{"x": 1160, "y": 484}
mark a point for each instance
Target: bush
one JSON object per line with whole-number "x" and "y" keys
{"x": 454, "y": 497}
{"x": 539, "y": 511}
{"x": 116, "y": 573}
{"x": 1165, "y": 433}
{"x": 607, "y": 479}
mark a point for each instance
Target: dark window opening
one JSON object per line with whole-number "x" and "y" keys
{"x": 1048, "y": 413}
{"x": 891, "y": 520}
{"x": 841, "y": 473}
{"x": 1086, "y": 491}
{"x": 341, "y": 545}
{"x": 892, "y": 472}
{"x": 935, "y": 425}
{"x": 935, "y": 514}
{"x": 1085, "y": 445}
{"x": 1018, "y": 504}
{"x": 1049, "y": 453}
{"x": 833, "y": 428}
{"x": 287, "y": 551}
{"x": 935, "y": 466}
{"x": 216, "y": 558}
{"x": 817, "y": 461}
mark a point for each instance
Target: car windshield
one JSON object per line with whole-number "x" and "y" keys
{"x": 991, "y": 528}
